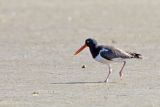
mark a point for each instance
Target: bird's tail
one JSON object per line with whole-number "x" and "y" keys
{"x": 135, "y": 55}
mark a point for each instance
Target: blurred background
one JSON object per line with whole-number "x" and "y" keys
{"x": 38, "y": 39}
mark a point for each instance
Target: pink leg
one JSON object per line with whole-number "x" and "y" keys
{"x": 110, "y": 71}
{"x": 120, "y": 73}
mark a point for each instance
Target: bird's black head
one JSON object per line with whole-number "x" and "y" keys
{"x": 91, "y": 42}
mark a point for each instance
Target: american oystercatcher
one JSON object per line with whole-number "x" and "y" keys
{"x": 108, "y": 54}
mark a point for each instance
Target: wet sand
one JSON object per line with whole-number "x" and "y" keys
{"x": 38, "y": 39}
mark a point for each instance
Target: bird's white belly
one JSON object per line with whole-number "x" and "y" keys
{"x": 102, "y": 60}
{"x": 105, "y": 61}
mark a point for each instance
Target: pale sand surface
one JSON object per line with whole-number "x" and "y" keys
{"x": 38, "y": 39}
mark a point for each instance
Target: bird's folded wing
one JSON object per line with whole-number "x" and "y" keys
{"x": 112, "y": 53}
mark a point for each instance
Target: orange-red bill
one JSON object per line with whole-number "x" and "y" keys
{"x": 79, "y": 50}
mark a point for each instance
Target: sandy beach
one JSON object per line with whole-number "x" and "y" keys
{"x": 39, "y": 37}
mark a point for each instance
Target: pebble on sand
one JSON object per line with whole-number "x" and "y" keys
{"x": 35, "y": 93}
{"x": 83, "y": 66}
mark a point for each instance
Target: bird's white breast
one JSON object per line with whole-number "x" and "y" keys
{"x": 99, "y": 58}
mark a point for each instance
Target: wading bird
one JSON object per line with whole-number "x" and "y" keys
{"x": 108, "y": 54}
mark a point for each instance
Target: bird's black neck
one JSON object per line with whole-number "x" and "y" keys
{"x": 94, "y": 51}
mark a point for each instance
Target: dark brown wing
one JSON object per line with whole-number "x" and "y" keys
{"x": 109, "y": 52}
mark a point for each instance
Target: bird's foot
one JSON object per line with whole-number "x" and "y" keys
{"x": 106, "y": 81}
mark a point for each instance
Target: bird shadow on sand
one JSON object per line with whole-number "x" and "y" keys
{"x": 78, "y": 82}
